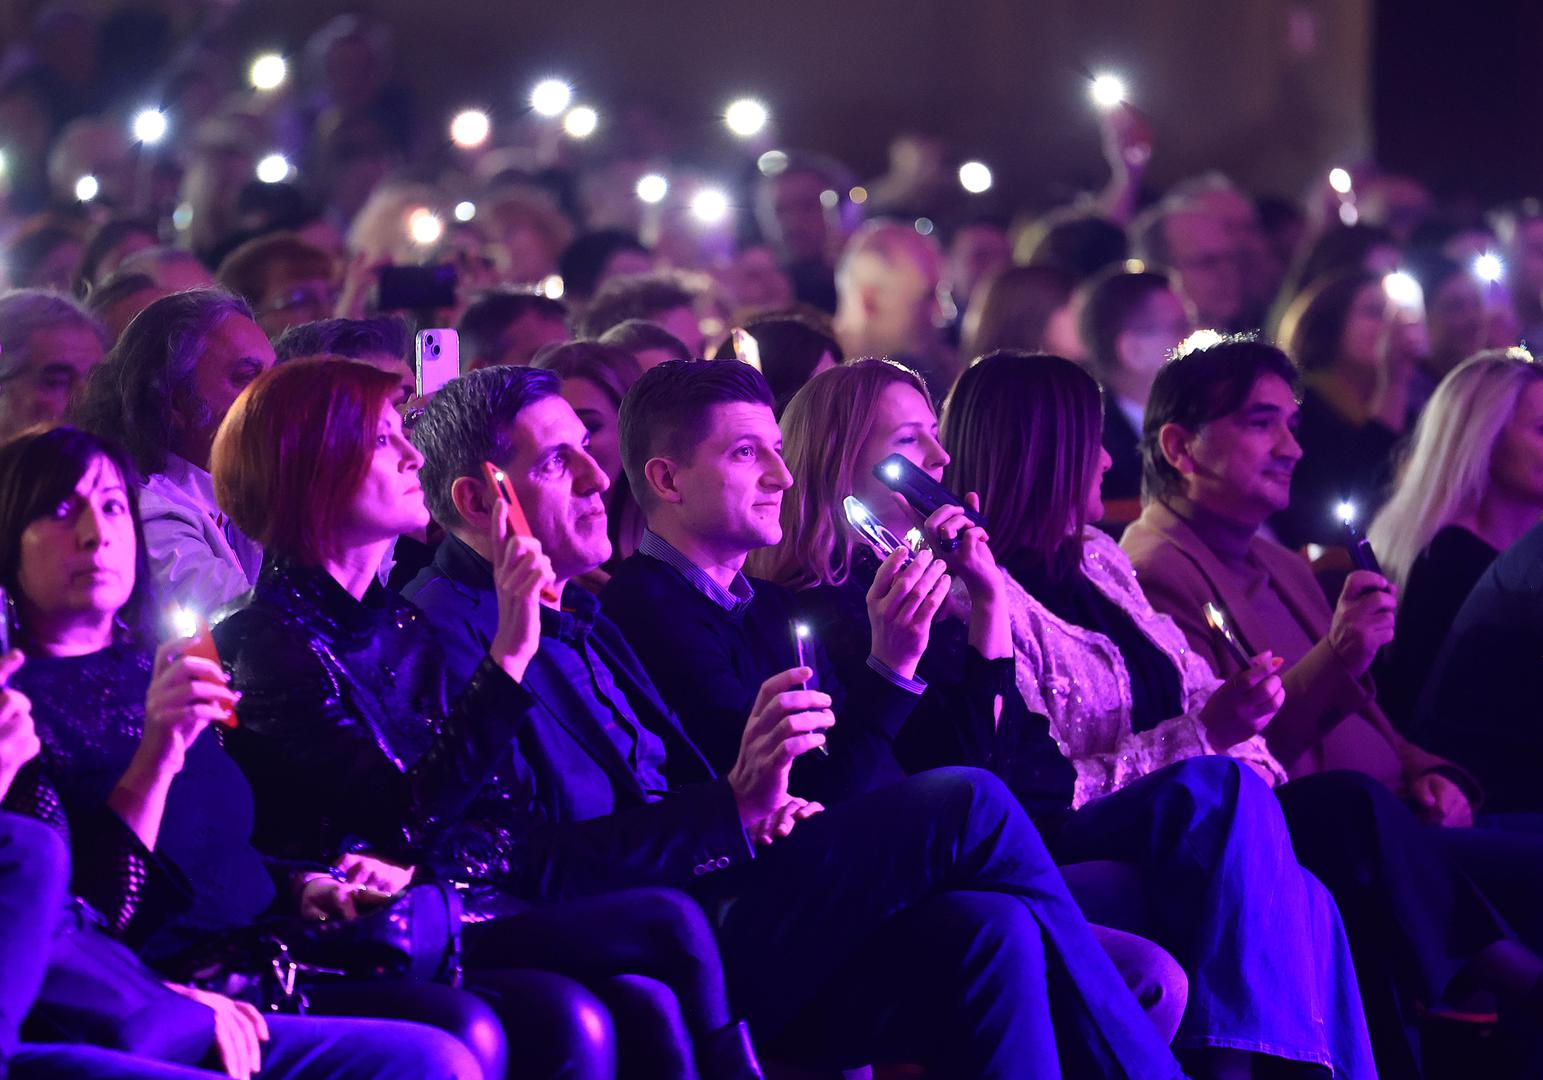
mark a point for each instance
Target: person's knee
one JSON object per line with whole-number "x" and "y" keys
{"x": 670, "y": 922}
{"x": 432, "y": 1054}
{"x": 37, "y": 856}
{"x": 474, "y": 1023}
{"x": 980, "y": 803}
{"x": 552, "y": 1023}
{"x": 1154, "y": 977}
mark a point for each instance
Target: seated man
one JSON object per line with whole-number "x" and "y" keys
{"x": 703, "y": 454}
{"x": 509, "y": 326}
{"x": 913, "y": 923}
{"x": 666, "y": 298}
{"x": 1480, "y": 704}
{"x": 381, "y": 342}
{"x": 286, "y": 281}
{"x": 48, "y": 344}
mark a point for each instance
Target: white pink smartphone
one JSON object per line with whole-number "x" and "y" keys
{"x": 436, "y": 359}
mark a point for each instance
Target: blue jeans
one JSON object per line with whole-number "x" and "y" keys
{"x": 34, "y": 871}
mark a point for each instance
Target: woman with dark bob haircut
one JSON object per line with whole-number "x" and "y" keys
{"x": 353, "y": 746}
{"x": 1127, "y": 698}
{"x": 132, "y": 773}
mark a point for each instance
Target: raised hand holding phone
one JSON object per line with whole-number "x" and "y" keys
{"x": 905, "y": 596}
{"x": 784, "y": 723}
{"x": 522, "y": 578}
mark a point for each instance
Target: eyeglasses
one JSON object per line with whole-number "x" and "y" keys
{"x": 302, "y": 297}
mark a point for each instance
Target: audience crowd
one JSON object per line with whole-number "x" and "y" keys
{"x": 479, "y": 611}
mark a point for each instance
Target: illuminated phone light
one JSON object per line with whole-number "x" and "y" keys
{"x": 184, "y": 621}
{"x": 975, "y": 177}
{"x": 581, "y": 122}
{"x": 268, "y": 72}
{"x": 710, "y": 206}
{"x": 465, "y": 210}
{"x": 273, "y": 169}
{"x": 1488, "y": 267}
{"x": 1107, "y": 91}
{"x": 802, "y": 630}
{"x": 892, "y": 472}
{"x": 551, "y": 97}
{"x": 652, "y": 188}
{"x": 424, "y": 227}
{"x": 551, "y": 287}
{"x": 1339, "y": 180}
{"x": 470, "y": 128}
{"x": 1345, "y": 511}
{"x": 150, "y": 126}
{"x": 87, "y": 188}
{"x": 1402, "y": 289}
{"x": 746, "y": 117}
{"x": 858, "y": 195}
{"x": 1348, "y": 214}
{"x": 914, "y": 539}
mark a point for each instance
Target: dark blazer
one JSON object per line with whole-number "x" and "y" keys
{"x": 1481, "y": 704}
{"x": 710, "y": 665}
{"x": 1123, "y": 480}
{"x": 523, "y": 831}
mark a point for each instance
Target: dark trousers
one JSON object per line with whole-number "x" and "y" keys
{"x": 925, "y": 921}
{"x": 1414, "y": 918}
{"x": 648, "y": 954}
{"x": 34, "y": 871}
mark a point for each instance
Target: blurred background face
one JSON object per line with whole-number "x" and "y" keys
{"x": 1206, "y": 268}
{"x": 1367, "y": 325}
{"x": 798, "y": 217}
{"x": 977, "y": 252}
{"x": 1152, "y": 334}
{"x": 78, "y": 558}
{"x": 1516, "y": 466}
{"x": 1454, "y": 317}
{"x": 52, "y": 366}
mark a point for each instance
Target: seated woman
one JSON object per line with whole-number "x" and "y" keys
{"x": 161, "y": 394}
{"x": 1471, "y": 486}
{"x": 1196, "y": 857}
{"x": 158, "y": 815}
{"x": 345, "y": 731}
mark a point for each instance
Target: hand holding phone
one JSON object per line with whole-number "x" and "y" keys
{"x": 189, "y": 624}
{"x": 926, "y": 495}
{"x": 518, "y": 523}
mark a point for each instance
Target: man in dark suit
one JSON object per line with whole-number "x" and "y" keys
{"x": 925, "y": 921}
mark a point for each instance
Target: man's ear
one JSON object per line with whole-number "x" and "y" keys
{"x": 473, "y": 501}
{"x": 1173, "y": 440}
{"x": 660, "y": 473}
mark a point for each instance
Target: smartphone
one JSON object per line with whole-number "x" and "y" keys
{"x": 1217, "y": 620}
{"x": 925, "y": 494}
{"x": 872, "y": 531}
{"x": 436, "y": 359}
{"x": 1360, "y": 548}
{"x": 519, "y": 524}
{"x": 189, "y": 624}
{"x": 416, "y": 288}
{"x": 801, "y": 637}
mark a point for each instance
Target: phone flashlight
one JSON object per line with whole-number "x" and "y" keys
{"x": 872, "y": 530}
{"x": 1360, "y": 548}
{"x": 802, "y": 635}
{"x": 518, "y": 523}
{"x": 187, "y": 623}
{"x": 1216, "y": 619}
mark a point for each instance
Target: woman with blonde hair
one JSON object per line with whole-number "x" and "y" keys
{"x": 1471, "y": 485}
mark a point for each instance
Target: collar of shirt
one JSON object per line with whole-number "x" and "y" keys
{"x": 737, "y": 595}
{"x": 573, "y": 623}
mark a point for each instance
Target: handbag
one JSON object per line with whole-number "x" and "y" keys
{"x": 97, "y": 992}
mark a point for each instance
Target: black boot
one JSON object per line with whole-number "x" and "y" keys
{"x": 727, "y": 1055}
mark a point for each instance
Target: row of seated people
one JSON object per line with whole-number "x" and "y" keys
{"x": 983, "y": 715}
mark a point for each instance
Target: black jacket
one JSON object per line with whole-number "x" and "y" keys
{"x": 523, "y": 831}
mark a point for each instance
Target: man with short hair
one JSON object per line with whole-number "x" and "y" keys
{"x": 380, "y": 342}
{"x": 1196, "y": 250}
{"x": 703, "y": 455}
{"x": 887, "y": 301}
{"x": 914, "y": 923}
{"x": 509, "y": 326}
{"x": 665, "y": 297}
{"x": 48, "y": 344}
{"x": 649, "y": 343}
{"x": 286, "y": 281}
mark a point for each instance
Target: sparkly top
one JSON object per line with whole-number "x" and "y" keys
{"x": 90, "y": 715}
{"x": 1078, "y": 679}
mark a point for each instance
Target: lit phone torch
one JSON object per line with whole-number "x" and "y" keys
{"x": 187, "y": 623}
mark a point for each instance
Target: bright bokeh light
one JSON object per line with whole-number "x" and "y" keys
{"x": 1345, "y": 511}
{"x": 1488, "y": 267}
{"x": 710, "y": 206}
{"x": 1203, "y": 338}
{"x": 86, "y": 188}
{"x": 273, "y": 169}
{"x": 268, "y": 72}
{"x": 746, "y": 117}
{"x": 1107, "y": 91}
{"x": 581, "y": 122}
{"x": 551, "y": 287}
{"x": 150, "y": 126}
{"x": 3, "y": 165}
{"x": 470, "y": 128}
{"x": 465, "y": 210}
{"x": 551, "y": 97}
{"x": 1339, "y": 180}
{"x": 424, "y": 226}
{"x": 1403, "y": 289}
{"x": 975, "y": 177}
{"x": 652, "y": 188}
{"x": 183, "y": 622}
{"x": 772, "y": 162}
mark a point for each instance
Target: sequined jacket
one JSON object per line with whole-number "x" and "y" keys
{"x": 1078, "y": 679}
{"x": 344, "y": 727}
